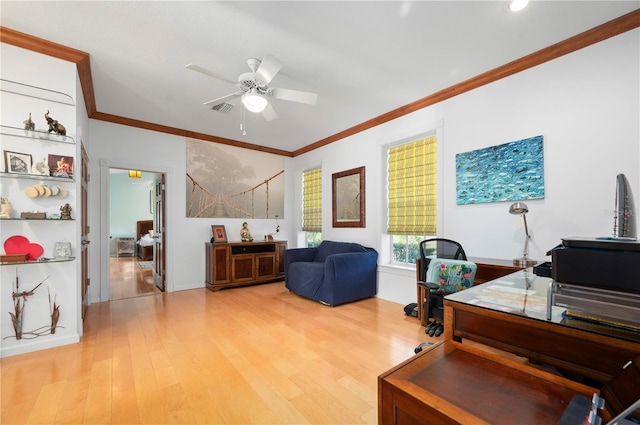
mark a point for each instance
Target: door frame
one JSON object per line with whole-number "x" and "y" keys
{"x": 105, "y": 194}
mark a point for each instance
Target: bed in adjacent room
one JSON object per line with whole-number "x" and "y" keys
{"x": 144, "y": 244}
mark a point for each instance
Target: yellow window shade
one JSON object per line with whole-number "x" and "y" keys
{"x": 411, "y": 196}
{"x": 312, "y": 200}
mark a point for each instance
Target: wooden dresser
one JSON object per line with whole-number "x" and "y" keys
{"x": 243, "y": 263}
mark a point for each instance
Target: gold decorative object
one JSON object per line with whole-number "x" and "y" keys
{"x": 245, "y": 236}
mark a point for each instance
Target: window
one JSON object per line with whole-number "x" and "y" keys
{"x": 406, "y": 248}
{"x": 312, "y": 206}
{"x": 411, "y": 197}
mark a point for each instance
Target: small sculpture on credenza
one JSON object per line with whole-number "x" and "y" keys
{"x": 269, "y": 237}
{"x": 55, "y": 126}
{"x": 245, "y": 236}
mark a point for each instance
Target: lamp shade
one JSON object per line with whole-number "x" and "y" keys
{"x": 518, "y": 208}
{"x": 254, "y": 101}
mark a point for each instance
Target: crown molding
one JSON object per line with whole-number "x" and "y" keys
{"x": 595, "y": 35}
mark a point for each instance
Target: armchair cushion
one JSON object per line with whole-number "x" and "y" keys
{"x": 333, "y": 273}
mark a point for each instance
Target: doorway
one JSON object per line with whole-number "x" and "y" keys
{"x": 132, "y": 214}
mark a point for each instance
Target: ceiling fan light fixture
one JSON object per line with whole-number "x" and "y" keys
{"x": 253, "y": 101}
{"x": 517, "y": 5}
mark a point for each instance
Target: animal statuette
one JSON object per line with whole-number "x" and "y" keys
{"x": 29, "y": 125}
{"x": 55, "y": 126}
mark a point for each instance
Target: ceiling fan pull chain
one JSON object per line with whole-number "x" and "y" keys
{"x": 243, "y": 127}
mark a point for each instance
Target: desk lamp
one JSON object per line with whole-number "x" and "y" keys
{"x": 522, "y": 209}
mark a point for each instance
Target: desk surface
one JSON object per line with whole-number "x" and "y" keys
{"x": 510, "y": 313}
{"x": 525, "y": 294}
{"x": 451, "y": 383}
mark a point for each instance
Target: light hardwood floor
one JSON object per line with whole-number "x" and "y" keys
{"x": 246, "y": 355}
{"x": 128, "y": 280}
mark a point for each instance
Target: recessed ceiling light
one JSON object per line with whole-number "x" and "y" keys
{"x": 517, "y": 5}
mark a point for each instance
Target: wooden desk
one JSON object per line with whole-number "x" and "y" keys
{"x": 488, "y": 269}
{"x": 510, "y": 313}
{"x": 451, "y": 383}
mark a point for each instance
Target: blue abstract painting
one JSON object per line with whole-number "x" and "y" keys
{"x": 510, "y": 172}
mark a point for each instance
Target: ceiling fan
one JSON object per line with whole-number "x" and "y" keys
{"x": 254, "y": 87}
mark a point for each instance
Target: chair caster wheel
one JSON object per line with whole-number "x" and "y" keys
{"x": 432, "y": 330}
{"x": 439, "y": 331}
{"x": 429, "y": 326}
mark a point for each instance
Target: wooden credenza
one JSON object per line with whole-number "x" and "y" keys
{"x": 243, "y": 263}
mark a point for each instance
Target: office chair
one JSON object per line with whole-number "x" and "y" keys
{"x": 436, "y": 281}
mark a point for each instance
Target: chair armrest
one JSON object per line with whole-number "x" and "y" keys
{"x": 349, "y": 276}
{"x": 294, "y": 255}
{"x": 429, "y": 285}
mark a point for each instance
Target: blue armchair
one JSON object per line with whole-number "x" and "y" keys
{"x": 333, "y": 273}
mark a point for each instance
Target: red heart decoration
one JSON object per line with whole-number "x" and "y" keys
{"x": 21, "y": 245}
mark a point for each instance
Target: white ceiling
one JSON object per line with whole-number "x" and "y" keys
{"x": 362, "y": 58}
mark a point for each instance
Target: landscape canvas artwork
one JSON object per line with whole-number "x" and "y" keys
{"x": 230, "y": 182}
{"x": 509, "y": 172}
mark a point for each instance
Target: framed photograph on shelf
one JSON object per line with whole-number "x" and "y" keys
{"x": 16, "y": 162}
{"x": 60, "y": 165}
{"x": 348, "y": 195}
{"x": 219, "y": 234}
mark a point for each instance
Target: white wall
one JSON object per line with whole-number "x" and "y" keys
{"x": 131, "y": 148}
{"x": 586, "y": 105}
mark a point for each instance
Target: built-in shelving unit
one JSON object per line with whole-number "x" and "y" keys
{"x": 24, "y": 104}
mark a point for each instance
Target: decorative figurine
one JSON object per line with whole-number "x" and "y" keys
{"x": 245, "y": 236}
{"x": 55, "y": 126}
{"x": 6, "y": 209}
{"x": 40, "y": 167}
{"x": 65, "y": 212}
{"x": 29, "y": 125}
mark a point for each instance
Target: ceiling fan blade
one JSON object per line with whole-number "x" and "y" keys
{"x": 295, "y": 96}
{"x": 268, "y": 69}
{"x": 205, "y": 71}
{"x": 223, "y": 98}
{"x": 269, "y": 113}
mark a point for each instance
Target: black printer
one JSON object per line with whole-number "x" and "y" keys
{"x": 607, "y": 263}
